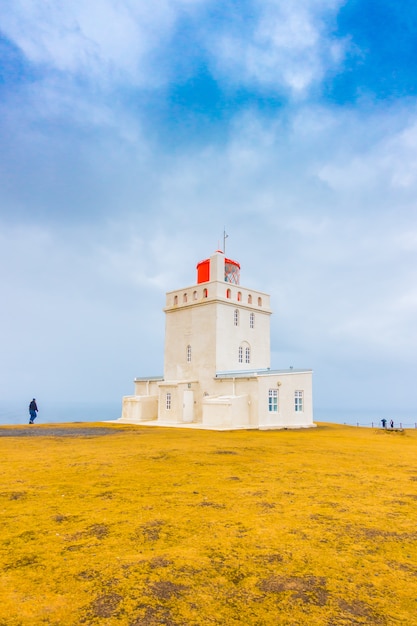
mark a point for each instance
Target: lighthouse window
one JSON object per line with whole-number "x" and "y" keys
{"x": 259, "y": 301}
{"x": 247, "y": 355}
{"x": 236, "y": 317}
{"x": 249, "y": 299}
{"x": 239, "y": 296}
{"x": 273, "y": 400}
{"x": 240, "y": 354}
{"x": 205, "y": 293}
{"x": 298, "y": 401}
{"x": 168, "y": 401}
{"x": 228, "y": 293}
{"x": 184, "y": 298}
{"x": 175, "y": 299}
{"x": 252, "y": 320}
{"x": 231, "y": 273}
{"x": 188, "y": 354}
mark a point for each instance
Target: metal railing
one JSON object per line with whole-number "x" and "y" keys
{"x": 396, "y": 426}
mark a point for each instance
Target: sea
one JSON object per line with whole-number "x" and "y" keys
{"x": 56, "y": 412}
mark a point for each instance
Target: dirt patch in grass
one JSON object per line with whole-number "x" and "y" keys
{"x": 105, "y": 605}
{"x": 56, "y": 431}
{"x": 151, "y": 531}
{"x": 13, "y": 495}
{"x": 159, "y": 561}
{"x": 265, "y": 506}
{"x": 87, "y": 575}
{"x": 359, "y": 609}
{"x": 224, "y": 452}
{"x": 213, "y": 505}
{"x": 270, "y": 558}
{"x": 155, "y": 616}
{"x": 24, "y": 561}
{"x": 99, "y": 531}
{"x": 165, "y": 590}
{"x": 308, "y": 589}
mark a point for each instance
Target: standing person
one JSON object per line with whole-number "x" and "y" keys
{"x": 384, "y": 422}
{"x": 391, "y": 423}
{"x": 33, "y": 409}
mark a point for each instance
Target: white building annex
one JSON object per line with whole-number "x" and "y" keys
{"x": 217, "y": 362}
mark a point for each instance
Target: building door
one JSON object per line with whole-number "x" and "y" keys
{"x": 188, "y": 406}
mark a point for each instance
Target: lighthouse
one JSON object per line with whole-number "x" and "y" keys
{"x": 217, "y": 372}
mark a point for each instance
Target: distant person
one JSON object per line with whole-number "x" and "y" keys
{"x": 384, "y": 422}
{"x": 33, "y": 409}
{"x": 391, "y": 423}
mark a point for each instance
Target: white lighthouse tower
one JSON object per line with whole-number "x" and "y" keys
{"x": 217, "y": 361}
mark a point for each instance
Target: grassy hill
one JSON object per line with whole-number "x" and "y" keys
{"x": 143, "y": 526}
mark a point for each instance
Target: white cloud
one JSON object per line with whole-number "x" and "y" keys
{"x": 388, "y": 159}
{"x": 289, "y": 46}
{"x": 102, "y": 40}
{"x": 275, "y": 44}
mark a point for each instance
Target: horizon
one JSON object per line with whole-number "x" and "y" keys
{"x": 93, "y": 411}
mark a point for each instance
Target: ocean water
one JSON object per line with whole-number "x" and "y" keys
{"x": 54, "y": 412}
{"x": 367, "y": 418}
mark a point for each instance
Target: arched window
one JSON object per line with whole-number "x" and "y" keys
{"x": 236, "y": 317}
{"x": 188, "y": 354}
{"x": 249, "y": 299}
{"x": 259, "y": 301}
{"x": 194, "y": 295}
{"x": 175, "y": 299}
{"x": 252, "y": 320}
{"x": 205, "y": 293}
{"x": 239, "y": 296}
{"x": 184, "y": 298}
{"x": 244, "y": 352}
{"x": 228, "y": 293}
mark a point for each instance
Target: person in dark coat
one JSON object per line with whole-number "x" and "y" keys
{"x": 33, "y": 409}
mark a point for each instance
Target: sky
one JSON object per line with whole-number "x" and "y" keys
{"x": 133, "y": 133}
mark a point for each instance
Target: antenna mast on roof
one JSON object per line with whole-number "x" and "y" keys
{"x": 225, "y": 236}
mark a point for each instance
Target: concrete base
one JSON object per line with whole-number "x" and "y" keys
{"x": 200, "y": 426}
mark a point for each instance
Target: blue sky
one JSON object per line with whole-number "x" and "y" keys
{"x": 133, "y": 133}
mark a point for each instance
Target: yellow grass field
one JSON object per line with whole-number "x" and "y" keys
{"x": 144, "y": 526}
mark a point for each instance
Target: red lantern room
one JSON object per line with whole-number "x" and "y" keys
{"x": 231, "y": 271}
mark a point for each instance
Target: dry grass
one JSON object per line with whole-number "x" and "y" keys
{"x": 186, "y": 528}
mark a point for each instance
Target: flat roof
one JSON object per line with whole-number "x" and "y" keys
{"x": 260, "y": 372}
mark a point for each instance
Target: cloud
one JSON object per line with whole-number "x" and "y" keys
{"x": 287, "y": 47}
{"x": 276, "y": 46}
{"x": 101, "y": 41}
{"x": 390, "y": 161}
